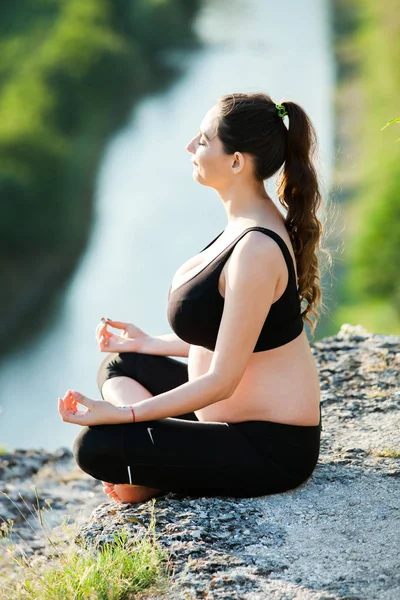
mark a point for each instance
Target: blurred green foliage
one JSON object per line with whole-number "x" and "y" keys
{"x": 70, "y": 71}
{"x": 376, "y": 251}
{"x": 371, "y": 285}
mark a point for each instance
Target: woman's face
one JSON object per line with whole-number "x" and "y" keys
{"x": 211, "y": 166}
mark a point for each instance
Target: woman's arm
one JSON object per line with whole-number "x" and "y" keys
{"x": 168, "y": 344}
{"x": 190, "y": 396}
{"x": 134, "y": 339}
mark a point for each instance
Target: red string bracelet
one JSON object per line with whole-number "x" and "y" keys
{"x": 133, "y": 412}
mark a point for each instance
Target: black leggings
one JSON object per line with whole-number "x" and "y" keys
{"x": 188, "y": 456}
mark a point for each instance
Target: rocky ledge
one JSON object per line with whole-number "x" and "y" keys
{"x": 334, "y": 537}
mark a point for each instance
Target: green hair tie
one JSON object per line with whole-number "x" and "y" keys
{"x": 281, "y": 110}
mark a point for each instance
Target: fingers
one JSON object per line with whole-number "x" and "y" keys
{"x": 61, "y": 409}
{"x": 101, "y": 330}
{"x": 68, "y": 406}
{"x": 116, "y": 324}
{"x": 103, "y": 336}
{"x": 67, "y": 414}
{"x": 69, "y": 402}
{"x": 104, "y": 343}
{"x": 78, "y": 397}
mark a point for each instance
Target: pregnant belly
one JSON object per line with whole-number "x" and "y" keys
{"x": 279, "y": 385}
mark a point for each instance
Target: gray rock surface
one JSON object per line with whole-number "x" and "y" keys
{"x": 337, "y": 536}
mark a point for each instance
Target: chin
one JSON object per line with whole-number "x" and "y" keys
{"x": 200, "y": 179}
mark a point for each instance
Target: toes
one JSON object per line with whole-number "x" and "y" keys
{"x": 109, "y": 490}
{"x": 115, "y": 497}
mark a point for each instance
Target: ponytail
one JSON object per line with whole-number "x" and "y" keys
{"x": 298, "y": 192}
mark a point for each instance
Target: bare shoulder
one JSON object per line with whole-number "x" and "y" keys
{"x": 256, "y": 245}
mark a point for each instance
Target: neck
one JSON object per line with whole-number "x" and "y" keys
{"x": 246, "y": 202}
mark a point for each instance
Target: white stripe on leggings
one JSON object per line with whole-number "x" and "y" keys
{"x": 129, "y": 473}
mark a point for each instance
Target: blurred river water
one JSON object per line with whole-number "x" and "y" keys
{"x": 151, "y": 215}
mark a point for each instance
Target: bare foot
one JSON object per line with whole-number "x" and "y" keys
{"x": 125, "y": 492}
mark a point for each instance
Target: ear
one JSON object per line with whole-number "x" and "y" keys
{"x": 238, "y": 162}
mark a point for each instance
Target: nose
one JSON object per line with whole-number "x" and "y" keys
{"x": 189, "y": 146}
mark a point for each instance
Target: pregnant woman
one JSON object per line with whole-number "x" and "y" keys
{"x": 243, "y": 417}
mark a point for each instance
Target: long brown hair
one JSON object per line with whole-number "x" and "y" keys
{"x": 250, "y": 123}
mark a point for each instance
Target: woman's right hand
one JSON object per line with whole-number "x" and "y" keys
{"x": 131, "y": 338}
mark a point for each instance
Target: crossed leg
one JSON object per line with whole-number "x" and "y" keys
{"x": 124, "y": 389}
{"x": 116, "y": 390}
{"x": 181, "y": 454}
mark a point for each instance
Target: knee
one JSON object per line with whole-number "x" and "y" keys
{"x": 92, "y": 446}
{"x": 83, "y": 449}
{"x": 106, "y": 368}
{"x": 117, "y": 365}
{"x": 97, "y": 450}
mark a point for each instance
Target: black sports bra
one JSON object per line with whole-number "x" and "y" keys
{"x": 195, "y": 307}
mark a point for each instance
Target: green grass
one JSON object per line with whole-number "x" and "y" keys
{"x": 122, "y": 569}
{"x": 386, "y": 452}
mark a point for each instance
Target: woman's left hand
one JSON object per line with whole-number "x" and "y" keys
{"x": 99, "y": 412}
